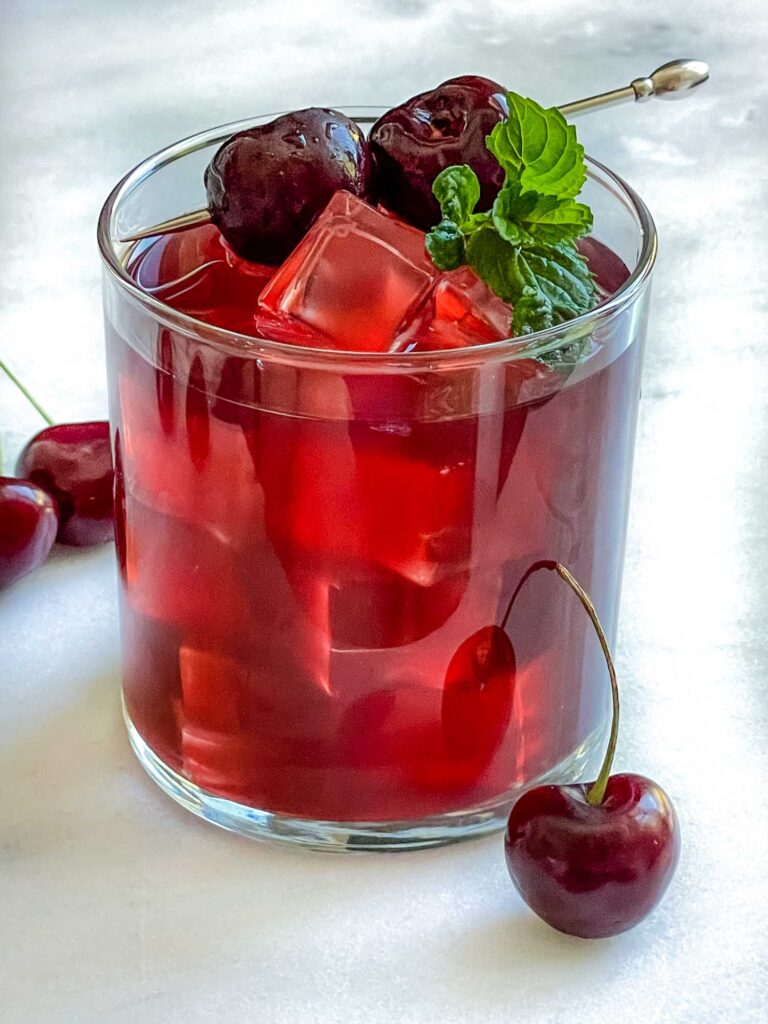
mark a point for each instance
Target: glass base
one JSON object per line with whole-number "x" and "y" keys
{"x": 354, "y": 836}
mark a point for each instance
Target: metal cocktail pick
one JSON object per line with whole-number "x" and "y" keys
{"x": 672, "y": 81}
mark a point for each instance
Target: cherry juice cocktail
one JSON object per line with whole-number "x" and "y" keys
{"x": 315, "y": 545}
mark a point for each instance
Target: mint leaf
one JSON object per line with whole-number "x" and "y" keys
{"x": 510, "y": 210}
{"x": 562, "y": 274}
{"x": 559, "y": 287}
{"x": 532, "y": 312}
{"x": 538, "y": 148}
{"x": 545, "y": 284}
{"x": 568, "y": 355}
{"x": 556, "y": 220}
{"x": 525, "y": 217}
{"x": 445, "y": 244}
{"x": 458, "y": 192}
{"x": 495, "y": 261}
{"x": 523, "y": 248}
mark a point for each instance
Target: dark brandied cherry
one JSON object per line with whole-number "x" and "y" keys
{"x": 413, "y": 142}
{"x": 592, "y": 860}
{"x": 28, "y": 525}
{"x": 73, "y": 463}
{"x": 267, "y": 185}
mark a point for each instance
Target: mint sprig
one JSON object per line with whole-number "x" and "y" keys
{"x": 524, "y": 247}
{"x": 538, "y": 148}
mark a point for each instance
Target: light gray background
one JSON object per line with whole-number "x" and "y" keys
{"x": 115, "y": 906}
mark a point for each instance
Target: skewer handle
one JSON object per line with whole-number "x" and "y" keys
{"x": 672, "y": 81}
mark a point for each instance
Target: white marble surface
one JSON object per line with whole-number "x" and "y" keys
{"x": 117, "y": 907}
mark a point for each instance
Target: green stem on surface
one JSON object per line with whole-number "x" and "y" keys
{"x": 597, "y": 789}
{"x": 30, "y": 398}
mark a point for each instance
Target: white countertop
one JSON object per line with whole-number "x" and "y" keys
{"x": 116, "y": 906}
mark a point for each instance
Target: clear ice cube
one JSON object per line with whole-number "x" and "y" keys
{"x": 356, "y": 278}
{"x": 461, "y": 310}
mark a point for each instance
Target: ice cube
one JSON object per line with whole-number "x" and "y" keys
{"x": 185, "y": 576}
{"x": 286, "y": 329}
{"x": 364, "y": 501}
{"x": 387, "y": 609}
{"x": 356, "y": 277}
{"x": 460, "y": 311}
{"x": 219, "y": 493}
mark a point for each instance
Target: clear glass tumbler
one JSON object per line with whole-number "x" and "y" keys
{"x": 315, "y": 548}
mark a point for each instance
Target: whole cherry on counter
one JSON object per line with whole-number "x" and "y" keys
{"x": 73, "y": 463}
{"x": 593, "y": 860}
{"x": 28, "y": 525}
{"x": 413, "y": 142}
{"x": 266, "y": 185}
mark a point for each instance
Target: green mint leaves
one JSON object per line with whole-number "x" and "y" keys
{"x": 522, "y": 218}
{"x": 523, "y": 248}
{"x": 538, "y": 148}
{"x": 458, "y": 192}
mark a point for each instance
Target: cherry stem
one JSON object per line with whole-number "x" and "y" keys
{"x": 596, "y": 791}
{"x": 32, "y": 401}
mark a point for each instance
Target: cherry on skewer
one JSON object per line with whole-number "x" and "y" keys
{"x": 262, "y": 190}
{"x": 415, "y": 141}
{"x": 266, "y": 186}
{"x": 592, "y": 860}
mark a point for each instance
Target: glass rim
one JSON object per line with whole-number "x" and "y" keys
{"x": 526, "y": 346}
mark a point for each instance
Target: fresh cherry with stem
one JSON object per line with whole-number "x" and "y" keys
{"x": 592, "y": 859}
{"x": 71, "y": 462}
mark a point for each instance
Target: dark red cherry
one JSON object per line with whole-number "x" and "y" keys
{"x": 412, "y": 143}
{"x": 73, "y": 463}
{"x": 28, "y": 524}
{"x": 593, "y": 859}
{"x": 593, "y": 870}
{"x": 267, "y": 185}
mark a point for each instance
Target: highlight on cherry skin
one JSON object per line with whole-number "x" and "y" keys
{"x": 592, "y": 860}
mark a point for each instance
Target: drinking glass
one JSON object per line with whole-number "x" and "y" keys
{"x": 318, "y": 549}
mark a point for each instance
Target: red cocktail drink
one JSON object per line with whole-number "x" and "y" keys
{"x": 323, "y": 510}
